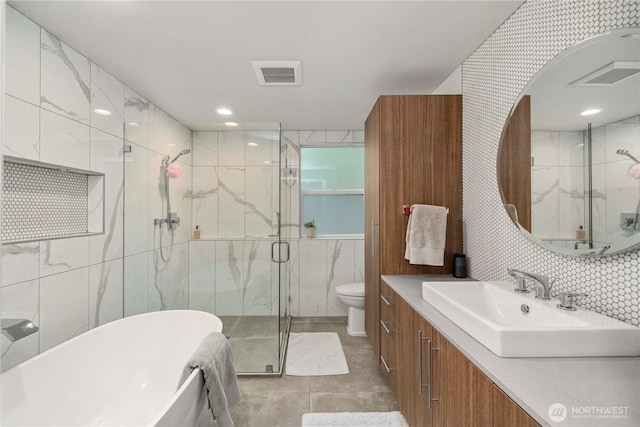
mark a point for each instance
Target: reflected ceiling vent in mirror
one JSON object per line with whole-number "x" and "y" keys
{"x": 609, "y": 74}
{"x": 278, "y": 73}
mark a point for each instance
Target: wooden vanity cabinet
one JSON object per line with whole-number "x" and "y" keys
{"x": 436, "y": 385}
{"x": 413, "y": 155}
{"x": 507, "y": 413}
{"x": 467, "y": 399}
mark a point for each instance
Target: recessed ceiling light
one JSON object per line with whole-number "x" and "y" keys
{"x": 224, "y": 111}
{"x": 102, "y": 112}
{"x": 252, "y": 144}
{"x": 590, "y": 112}
{"x": 231, "y": 124}
{"x": 267, "y": 162}
{"x": 134, "y": 124}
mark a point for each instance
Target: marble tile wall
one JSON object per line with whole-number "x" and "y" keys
{"x": 150, "y": 282}
{"x": 69, "y": 286}
{"x": 235, "y": 184}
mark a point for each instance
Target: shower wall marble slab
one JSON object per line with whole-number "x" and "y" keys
{"x": 69, "y": 286}
{"x": 233, "y": 277}
{"x": 236, "y": 184}
{"x": 237, "y": 277}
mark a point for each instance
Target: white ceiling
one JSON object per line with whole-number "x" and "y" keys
{"x": 556, "y": 104}
{"x": 190, "y": 57}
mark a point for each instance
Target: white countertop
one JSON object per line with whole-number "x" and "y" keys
{"x": 596, "y": 391}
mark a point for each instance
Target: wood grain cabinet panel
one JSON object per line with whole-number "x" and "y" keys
{"x": 413, "y": 155}
{"x": 467, "y": 396}
{"x": 507, "y": 413}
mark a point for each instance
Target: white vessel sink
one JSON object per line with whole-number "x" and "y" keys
{"x": 493, "y": 314}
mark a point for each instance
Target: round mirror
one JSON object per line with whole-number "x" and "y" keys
{"x": 569, "y": 160}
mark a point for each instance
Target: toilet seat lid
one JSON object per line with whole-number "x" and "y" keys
{"x": 351, "y": 289}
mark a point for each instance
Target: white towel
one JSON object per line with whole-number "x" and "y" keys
{"x": 426, "y": 235}
{"x": 214, "y": 358}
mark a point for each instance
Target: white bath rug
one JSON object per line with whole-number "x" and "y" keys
{"x": 315, "y": 353}
{"x": 354, "y": 419}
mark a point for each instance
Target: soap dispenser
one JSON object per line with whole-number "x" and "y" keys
{"x": 581, "y": 234}
{"x": 196, "y": 233}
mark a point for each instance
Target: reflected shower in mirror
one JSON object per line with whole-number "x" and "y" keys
{"x": 568, "y": 168}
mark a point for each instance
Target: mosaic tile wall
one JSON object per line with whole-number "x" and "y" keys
{"x": 492, "y": 79}
{"x": 41, "y": 203}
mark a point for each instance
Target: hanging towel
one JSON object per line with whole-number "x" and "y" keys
{"x": 214, "y": 358}
{"x": 426, "y": 235}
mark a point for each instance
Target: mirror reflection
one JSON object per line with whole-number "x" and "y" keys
{"x": 569, "y": 159}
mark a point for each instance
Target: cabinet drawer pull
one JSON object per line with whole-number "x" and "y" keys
{"x": 387, "y": 330}
{"x": 429, "y": 384}
{"x": 420, "y": 385}
{"x": 385, "y": 364}
{"x": 429, "y": 359}
{"x": 386, "y": 301}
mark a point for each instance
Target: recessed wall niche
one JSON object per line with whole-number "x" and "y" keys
{"x": 43, "y": 201}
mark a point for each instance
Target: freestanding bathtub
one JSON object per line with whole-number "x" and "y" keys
{"x": 124, "y": 373}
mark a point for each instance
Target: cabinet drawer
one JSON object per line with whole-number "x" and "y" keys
{"x": 388, "y": 301}
{"x": 388, "y": 325}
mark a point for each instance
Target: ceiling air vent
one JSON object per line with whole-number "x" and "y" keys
{"x": 609, "y": 74}
{"x": 278, "y": 73}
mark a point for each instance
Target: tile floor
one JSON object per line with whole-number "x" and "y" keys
{"x": 281, "y": 401}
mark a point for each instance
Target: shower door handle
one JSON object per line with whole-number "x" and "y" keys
{"x": 273, "y": 252}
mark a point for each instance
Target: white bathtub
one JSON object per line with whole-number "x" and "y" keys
{"x": 124, "y": 373}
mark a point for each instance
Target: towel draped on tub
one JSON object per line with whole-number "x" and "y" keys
{"x": 214, "y": 358}
{"x": 426, "y": 235}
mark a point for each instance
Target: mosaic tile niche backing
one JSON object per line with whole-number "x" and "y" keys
{"x": 41, "y": 203}
{"x": 492, "y": 79}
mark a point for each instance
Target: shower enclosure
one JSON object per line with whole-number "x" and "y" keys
{"x": 235, "y": 186}
{"x": 589, "y": 179}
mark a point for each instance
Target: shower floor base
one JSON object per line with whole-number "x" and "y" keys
{"x": 255, "y": 343}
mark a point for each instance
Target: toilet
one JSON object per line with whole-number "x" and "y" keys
{"x": 352, "y": 294}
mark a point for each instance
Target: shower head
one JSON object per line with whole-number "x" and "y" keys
{"x": 626, "y": 153}
{"x": 182, "y": 153}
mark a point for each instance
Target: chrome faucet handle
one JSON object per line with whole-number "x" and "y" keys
{"x": 566, "y": 300}
{"x": 521, "y": 282}
{"x": 521, "y": 286}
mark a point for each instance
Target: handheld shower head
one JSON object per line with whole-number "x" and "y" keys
{"x": 626, "y": 153}
{"x": 182, "y": 153}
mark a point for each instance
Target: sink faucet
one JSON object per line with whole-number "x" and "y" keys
{"x": 543, "y": 284}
